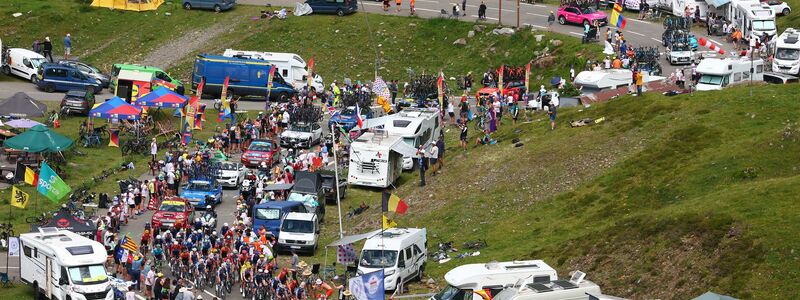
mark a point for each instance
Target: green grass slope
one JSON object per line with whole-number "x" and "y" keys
{"x": 668, "y": 198}
{"x": 342, "y": 48}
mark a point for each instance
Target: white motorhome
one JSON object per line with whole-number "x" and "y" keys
{"x": 716, "y": 73}
{"x": 492, "y": 277}
{"x": 291, "y": 66}
{"x": 376, "y": 159}
{"x": 417, "y": 126}
{"x": 64, "y": 265}
{"x": 754, "y": 19}
{"x": 299, "y": 232}
{"x": 574, "y": 289}
{"x": 787, "y": 53}
{"x": 400, "y": 252}
{"x": 23, "y": 63}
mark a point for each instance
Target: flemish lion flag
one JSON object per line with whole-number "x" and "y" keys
{"x": 19, "y": 198}
{"x": 50, "y": 185}
{"x": 387, "y": 223}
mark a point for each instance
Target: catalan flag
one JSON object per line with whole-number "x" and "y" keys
{"x": 617, "y": 19}
{"x": 128, "y": 244}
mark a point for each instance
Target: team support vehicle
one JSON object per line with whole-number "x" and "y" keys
{"x": 261, "y": 151}
{"x": 301, "y": 135}
{"x": 400, "y": 252}
{"x": 173, "y": 210}
{"x": 299, "y": 232}
{"x": 580, "y": 15}
{"x": 202, "y": 192}
{"x": 231, "y": 174}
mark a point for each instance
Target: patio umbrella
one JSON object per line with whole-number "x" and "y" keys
{"x": 38, "y": 139}
{"x": 22, "y": 106}
{"x": 23, "y": 123}
{"x": 116, "y": 108}
{"x": 162, "y": 97}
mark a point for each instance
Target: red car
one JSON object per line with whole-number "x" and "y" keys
{"x": 261, "y": 151}
{"x": 173, "y": 211}
{"x": 576, "y": 15}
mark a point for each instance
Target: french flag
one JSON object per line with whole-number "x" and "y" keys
{"x": 358, "y": 117}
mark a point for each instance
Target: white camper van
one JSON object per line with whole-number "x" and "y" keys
{"x": 417, "y": 126}
{"x": 23, "y": 63}
{"x": 64, "y": 265}
{"x": 291, "y": 66}
{"x": 754, "y": 19}
{"x": 299, "y": 232}
{"x": 400, "y": 252}
{"x": 574, "y": 289}
{"x": 787, "y": 53}
{"x": 376, "y": 159}
{"x": 492, "y": 277}
{"x": 716, "y": 73}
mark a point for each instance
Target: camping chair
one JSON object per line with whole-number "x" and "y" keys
{"x": 5, "y": 281}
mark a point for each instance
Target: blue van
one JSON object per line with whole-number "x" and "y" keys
{"x": 62, "y": 78}
{"x": 271, "y": 213}
{"x": 248, "y": 77}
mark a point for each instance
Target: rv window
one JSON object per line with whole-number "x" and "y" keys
{"x": 737, "y": 77}
{"x": 416, "y": 250}
{"x": 408, "y": 253}
{"x": 36, "y": 252}
{"x": 725, "y": 80}
{"x": 401, "y": 123}
{"x": 80, "y": 250}
{"x": 27, "y": 251}
{"x": 759, "y": 69}
{"x": 64, "y": 273}
{"x": 88, "y": 274}
{"x": 746, "y": 75}
{"x": 402, "y": 260}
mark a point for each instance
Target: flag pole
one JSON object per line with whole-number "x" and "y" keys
{"x": 336, "y": 175}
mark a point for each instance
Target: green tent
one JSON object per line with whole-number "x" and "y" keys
{"x": 39, "y": 139}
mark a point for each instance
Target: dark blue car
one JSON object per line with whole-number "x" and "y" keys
{"x": 62, "y": 78}
{"x": 346, "y": 118}
{"x": 197, "y": 191}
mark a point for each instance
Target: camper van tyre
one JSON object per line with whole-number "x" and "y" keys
{"x": 217, "y": 8}
{"x": 6, "y": 70}
{"x": 562, "y": 20}
{"x": 339, "y": 12}
{"x": 187, "y": 6}
{"x": 34, "y": 78}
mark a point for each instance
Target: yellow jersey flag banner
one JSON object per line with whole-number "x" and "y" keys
{"x": 19, "y": 198}
{"x": 387, "y": 223}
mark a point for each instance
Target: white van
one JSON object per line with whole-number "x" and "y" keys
{"x": 787, "y": 53}
{"x": 299, "y": 232}
{"x": 492, "y": 277}
{"x": 716, "y": 73}
{"x": 291, "y": 66}
{"x": 400, "y": 252}
{"x": 376, "y": 159}
{"x": 64, "y": 265}
{"x": 23, "y": 63}
{"x": 574, "y": 289}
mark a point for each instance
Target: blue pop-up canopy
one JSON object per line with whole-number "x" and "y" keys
{"x": 116, "y": 108}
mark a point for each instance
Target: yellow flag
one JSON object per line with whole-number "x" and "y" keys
{"x": 19, "y": 198}
{"x": 388, "y": 223}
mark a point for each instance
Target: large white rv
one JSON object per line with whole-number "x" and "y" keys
{"x": 787, "y": 53}
{"x": 574, "y": 289}
{"x": 62, "y": 265}
{"x": 754, "y": 19}
{"x": 400, "y": 252}
{"x": 376, "y": 159}
{"x": 417, "y": 126}
{"x": 291, "y": 66}
{"x": 492, "y": 277}
{"x": 716, "y": 73}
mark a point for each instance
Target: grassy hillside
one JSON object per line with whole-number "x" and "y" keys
{"x": 668, "y": 198}
{"x": 342, "y": 47}
{"x": 102, "y": 36}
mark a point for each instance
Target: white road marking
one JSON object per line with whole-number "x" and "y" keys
{"x": 539, "y": 5}
{"x": 638, "y": 21}
{"x": 506, "y": 10}
{"x": 210, "y": 294}
{"x": 534, "y": 25}
{"x": 372, "y": 4}
{"x": 636, "y": 33}
{"x": 429, "y": 1}
{"x": 715, "y": 42}
{"x": 9, "y": 267}
{"x": 490, "y": 18}
{"x": 538, "y": 15}
{"x": 576, "y": 33}
{"x": 425, "y": 9}
{"x": 657, "y": 40}
{"x": 140, "y": 297}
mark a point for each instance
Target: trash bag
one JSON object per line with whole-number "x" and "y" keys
{"x": 302, "y": 9}
{"x": 608, "y": 49}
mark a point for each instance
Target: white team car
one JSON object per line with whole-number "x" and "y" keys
{"x": 231, "y": 174}
{"x": 302, "y": 135}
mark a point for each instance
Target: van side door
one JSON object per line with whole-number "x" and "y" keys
{"x": 76, "y": 79}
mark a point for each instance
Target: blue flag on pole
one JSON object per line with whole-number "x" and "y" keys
{"x": 368, "y": 286}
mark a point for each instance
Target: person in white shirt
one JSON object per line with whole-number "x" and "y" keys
{"x": 433, "y": 154}
{"x": 153, "y": 149}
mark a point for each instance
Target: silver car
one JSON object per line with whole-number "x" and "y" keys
{"x": 88, "y": 70}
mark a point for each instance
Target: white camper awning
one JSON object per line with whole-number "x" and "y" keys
{"x": 349, "y": 239}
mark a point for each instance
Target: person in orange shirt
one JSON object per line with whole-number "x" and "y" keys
{"x": 412, "y": 6}
{"x": 616, "y": 63}
{"x": 398, "y": 3}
